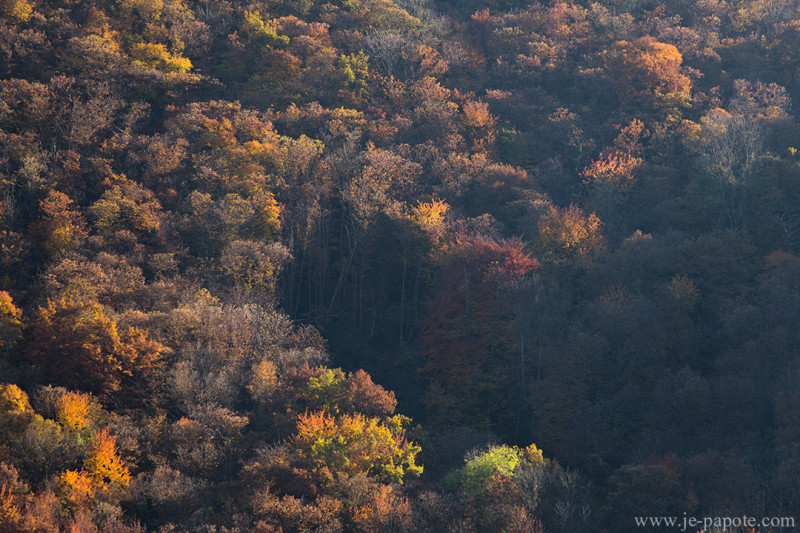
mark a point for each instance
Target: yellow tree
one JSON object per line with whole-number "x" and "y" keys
{"x": 609, "y": 179}
{"x": 108, "y": 473}
{"x": 104, "y": 476}
{"x": 15, "y": 408}
{"x": 77, "y": 411}
{"x": 127, "y": 207}
{"x": 569, "y": 234}
{"x": 60, "y": 227}
{"x": 357, "y": 445}
{"x": 429, "y": 216}
{"x": 10, "y": 323}
{"x": 18, "y": 11}
{"x": 158, "y": 57}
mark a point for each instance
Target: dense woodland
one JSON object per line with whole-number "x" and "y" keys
{"x": 397, "y": 265}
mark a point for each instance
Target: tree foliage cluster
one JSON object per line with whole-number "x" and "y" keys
{"x": 236, "y": 237}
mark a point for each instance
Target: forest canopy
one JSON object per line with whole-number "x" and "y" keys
{"x": 397, "y": 265}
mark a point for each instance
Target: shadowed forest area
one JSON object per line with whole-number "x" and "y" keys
{"x": 397, "y": 265}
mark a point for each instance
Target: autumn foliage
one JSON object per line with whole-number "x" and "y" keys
{"x": 355, "y": 444}
{"x": 648, "y": 69}
{"x": 242, "y": 241}
{"x": 80, "y": 346}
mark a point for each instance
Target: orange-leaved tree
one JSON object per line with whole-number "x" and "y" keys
{"x": 611, "y": 176}
{"x": 649, "y": 72}
{"x": 79, "y": 346}
{"x": 104, "y": 476}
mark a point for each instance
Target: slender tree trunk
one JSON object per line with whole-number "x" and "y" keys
{"x": 403, "y": 291}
